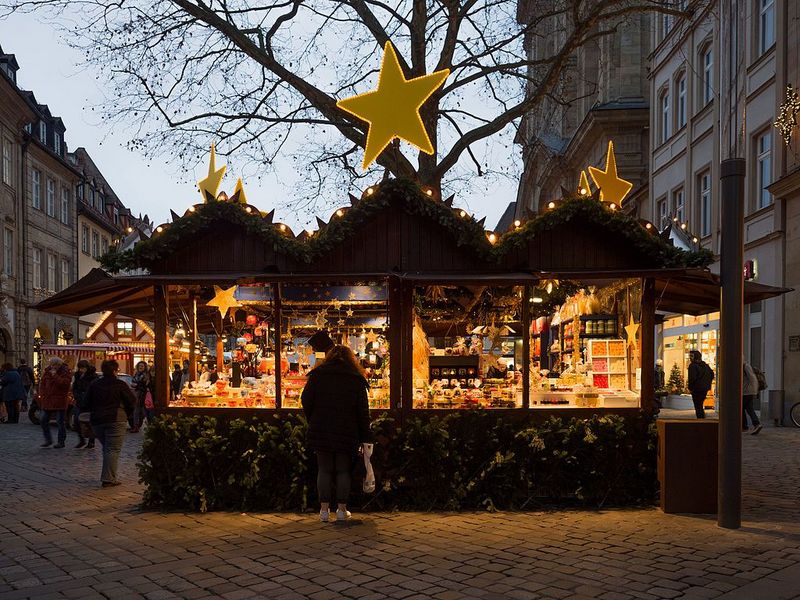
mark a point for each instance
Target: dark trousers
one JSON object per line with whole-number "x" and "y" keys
{"x": 333, "y": 466}
{"x": 83, "y": 432}
{"x": 12, "y": 407}
{"x": 697, "y": 399}
{"x": 62, "y": 427}
{"x": 747, "y": 409}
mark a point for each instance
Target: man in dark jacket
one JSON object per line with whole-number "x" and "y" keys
{"x": 28, "y": 380}
{"x": 110, "y": 401}
{"x": 700, "y": 378}
{"x": 84, "y": 376}
{"x": 336, "y": 406}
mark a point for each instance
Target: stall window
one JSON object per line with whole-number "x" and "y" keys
{"x": 581, "y": 352}
{"x": 467, "y": 346}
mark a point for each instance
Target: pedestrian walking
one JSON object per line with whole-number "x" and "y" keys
{"x": 110, "y": 402}
{"x": 142, "y": 386}
{"x": 28, "y": 380}
{"x": 749, "y": 392}
{"x": 336, "y": 407}
{"x": 84, "y": 376}
{"x": 13, "y": 392}
{"x": 54, "y": 400}
{"x": 175, "y": 380}
{"x": 700, "y": 378}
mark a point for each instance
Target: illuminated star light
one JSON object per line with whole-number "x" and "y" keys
{"x": 612, "y": 188}
{"x": 392, "y": 110}
{"x": 239, "y": 189}
{"x": 584, "y": 185}
{"x": 630, "y": 330}
{"x": 224, "y": 300}
{"x": 210, "y": 185}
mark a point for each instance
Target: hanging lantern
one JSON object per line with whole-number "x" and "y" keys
{"x": 251, "y": 320}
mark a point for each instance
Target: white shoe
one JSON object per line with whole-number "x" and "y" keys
{"x": 342, "y": 515}
{"x": 324, "y": 515}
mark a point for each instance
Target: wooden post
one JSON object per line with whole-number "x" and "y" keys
{"x": 647, "y": 328}
{"x": 192, "y": 325}
{"x": 526, "y": 346}
{"x": 220, "y": 346}
{"x": 395, "y": 337}
{"x": 160, "y": 301}
{"x": 276, "y": 293}
{"x": 407, "y": 350}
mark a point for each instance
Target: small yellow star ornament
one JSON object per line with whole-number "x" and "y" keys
{"x": 583, "y": 186}
{"x": 224, "y": 300}
{"x": 210, "y": 185}
{"x": 392, "y": 110}
{"x": 612, "y": 188}
{"x": 630, "y": 330}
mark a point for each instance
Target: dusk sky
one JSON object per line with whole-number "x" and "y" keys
{"x": 52, "y": 70}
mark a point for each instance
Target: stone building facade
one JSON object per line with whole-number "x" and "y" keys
{"x": 602, "y": 96}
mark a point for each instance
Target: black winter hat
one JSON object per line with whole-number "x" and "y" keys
{"x": 321, "y": 341}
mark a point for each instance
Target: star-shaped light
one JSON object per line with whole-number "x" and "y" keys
{"x": 224, "y": 300}
{"x": 372, "y": 337}
{"x": 583, "y": 186}
{"x": 349, "y": 312}
{"x": 210, "y": 185}
{"x": 392, "y": 110}
{"x": 612, "y": 188}
{"x": 630, "y": 330}
{"x": 336, "y": 304}
{"x": 239, "y": 189}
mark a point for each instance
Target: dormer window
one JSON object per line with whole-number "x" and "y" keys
{"x": 57, "y": 142}
{"x": 42, "y": 132}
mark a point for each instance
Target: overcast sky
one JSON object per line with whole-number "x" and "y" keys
{"x": 52, "y": 70}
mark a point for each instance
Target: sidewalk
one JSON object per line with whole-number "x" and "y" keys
{"x": 62, "y": 536}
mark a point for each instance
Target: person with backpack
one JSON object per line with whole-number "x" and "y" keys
{"x": 28, "y": 380}
{"x": 11, "y": 391}
{"x": 749, "y": 392}
{"x": 699, "y": 384}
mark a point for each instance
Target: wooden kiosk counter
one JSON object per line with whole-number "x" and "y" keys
{"x": 555, "y": 315}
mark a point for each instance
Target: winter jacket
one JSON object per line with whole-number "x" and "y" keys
{"x": 55, "y": 387}
{"x": 109, "y": 400}
{"x": 142, "y": 382}
{"x": 700, "y": 377}
{"x": 81, "y": 384}
{"x": 29, "y": 372}
{"x": 749, "y": 381}
{"x": 336, "y": 407}
{"x": 176, "y": 382}
{"x": 13, "y": 389}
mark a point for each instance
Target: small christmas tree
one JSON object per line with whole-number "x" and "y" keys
{"x": 675, "y": 383}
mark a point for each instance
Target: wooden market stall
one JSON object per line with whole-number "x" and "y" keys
{"x": 556, "y": 315}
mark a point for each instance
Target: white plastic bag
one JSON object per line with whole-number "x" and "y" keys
{"x": 369, "y": 478}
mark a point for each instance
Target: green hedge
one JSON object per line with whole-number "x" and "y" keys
{"x": 463, "y": 460}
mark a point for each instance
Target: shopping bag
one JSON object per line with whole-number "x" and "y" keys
{"x": 369, "y": 478}
{"x": 148, "y": 401}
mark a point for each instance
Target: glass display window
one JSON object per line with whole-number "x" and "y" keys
{"x": 467, "y": 347}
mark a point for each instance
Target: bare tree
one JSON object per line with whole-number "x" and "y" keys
{"x": 263, "y": 77}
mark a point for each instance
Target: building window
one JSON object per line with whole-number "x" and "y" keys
{"x": 663, "y": 213}
{"x": 91, "y": 196}
{"x": 666, "y": 25}
{"x": 57, "y": 142}
{"x": 764, "y": 169}
{"x": 7, "y": 161}
{"x": 51, "y": 198}
{"x": 51, "y": 272}
{"x": 42, "y": 132}
{"x": 64, "y": 206}
{"x": 680, "y": 108}
{"x": 116, "y": 216}
{"x": 664, "y": 126}
{"x": 37, "y": 268}
{"x": 708, "y": 75}
{"x": 64, "y": 273}
{"x": 79, "y": 191}
{"x": 124, "y": 329}
{"x": 104, "y": 245}
{"x": 101, "y": 199}
{"x": 766, "y": 25}
{"x": 84, "y": 239}
{"x": 8, "y": 252}
{"x": 678, "y": 206}
{"x": 95, "y": 244}
{"x": 36, "y": 189}
{"x": 704, "y": 186}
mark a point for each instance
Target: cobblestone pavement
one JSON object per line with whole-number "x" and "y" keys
{"x": 62, "y": 536}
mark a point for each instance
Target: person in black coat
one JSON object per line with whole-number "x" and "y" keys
{"x": 84, "y": 376}
{"x": 110, "y": 402}
{"x": 336, "y": 407}
{"x": 699, "y": 384}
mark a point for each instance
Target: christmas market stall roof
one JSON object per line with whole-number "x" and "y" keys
{"x": 401, "y": 230}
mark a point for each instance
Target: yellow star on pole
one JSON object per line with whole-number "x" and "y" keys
{"x": 612, "y": 188}
{"x": 210, "y": 185}
{"x": 239, "y": 189}
{"x": 224, "y": 300}
{"x": 392, "y": 110}
{"x": 630, "y": 330}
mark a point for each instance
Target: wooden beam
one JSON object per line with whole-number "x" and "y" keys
{"x": 647, "y": 328}
{"x": 160, "y": 295}
{"x": 278, "y": 329}
{"x": 192, "y": 325}
{"x": 395, "y": 337}
{"x": 526, "y": 346}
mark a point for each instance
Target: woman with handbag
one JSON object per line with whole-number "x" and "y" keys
{"x": 84, "y": 376}
{"x": 142, "y": 386}
{"x": 336, "y": 406}
{"x": 110, "y": 402}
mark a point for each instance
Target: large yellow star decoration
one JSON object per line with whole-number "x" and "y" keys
{"x": 224, "y": 300}
{"x": 392, "y": 110}
{"x": 612, "y": 188}
{"x": 210, "y": 185}
{"x": 630, "y": 330}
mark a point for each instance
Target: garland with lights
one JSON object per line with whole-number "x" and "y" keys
{"x": 464, "y": 229}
